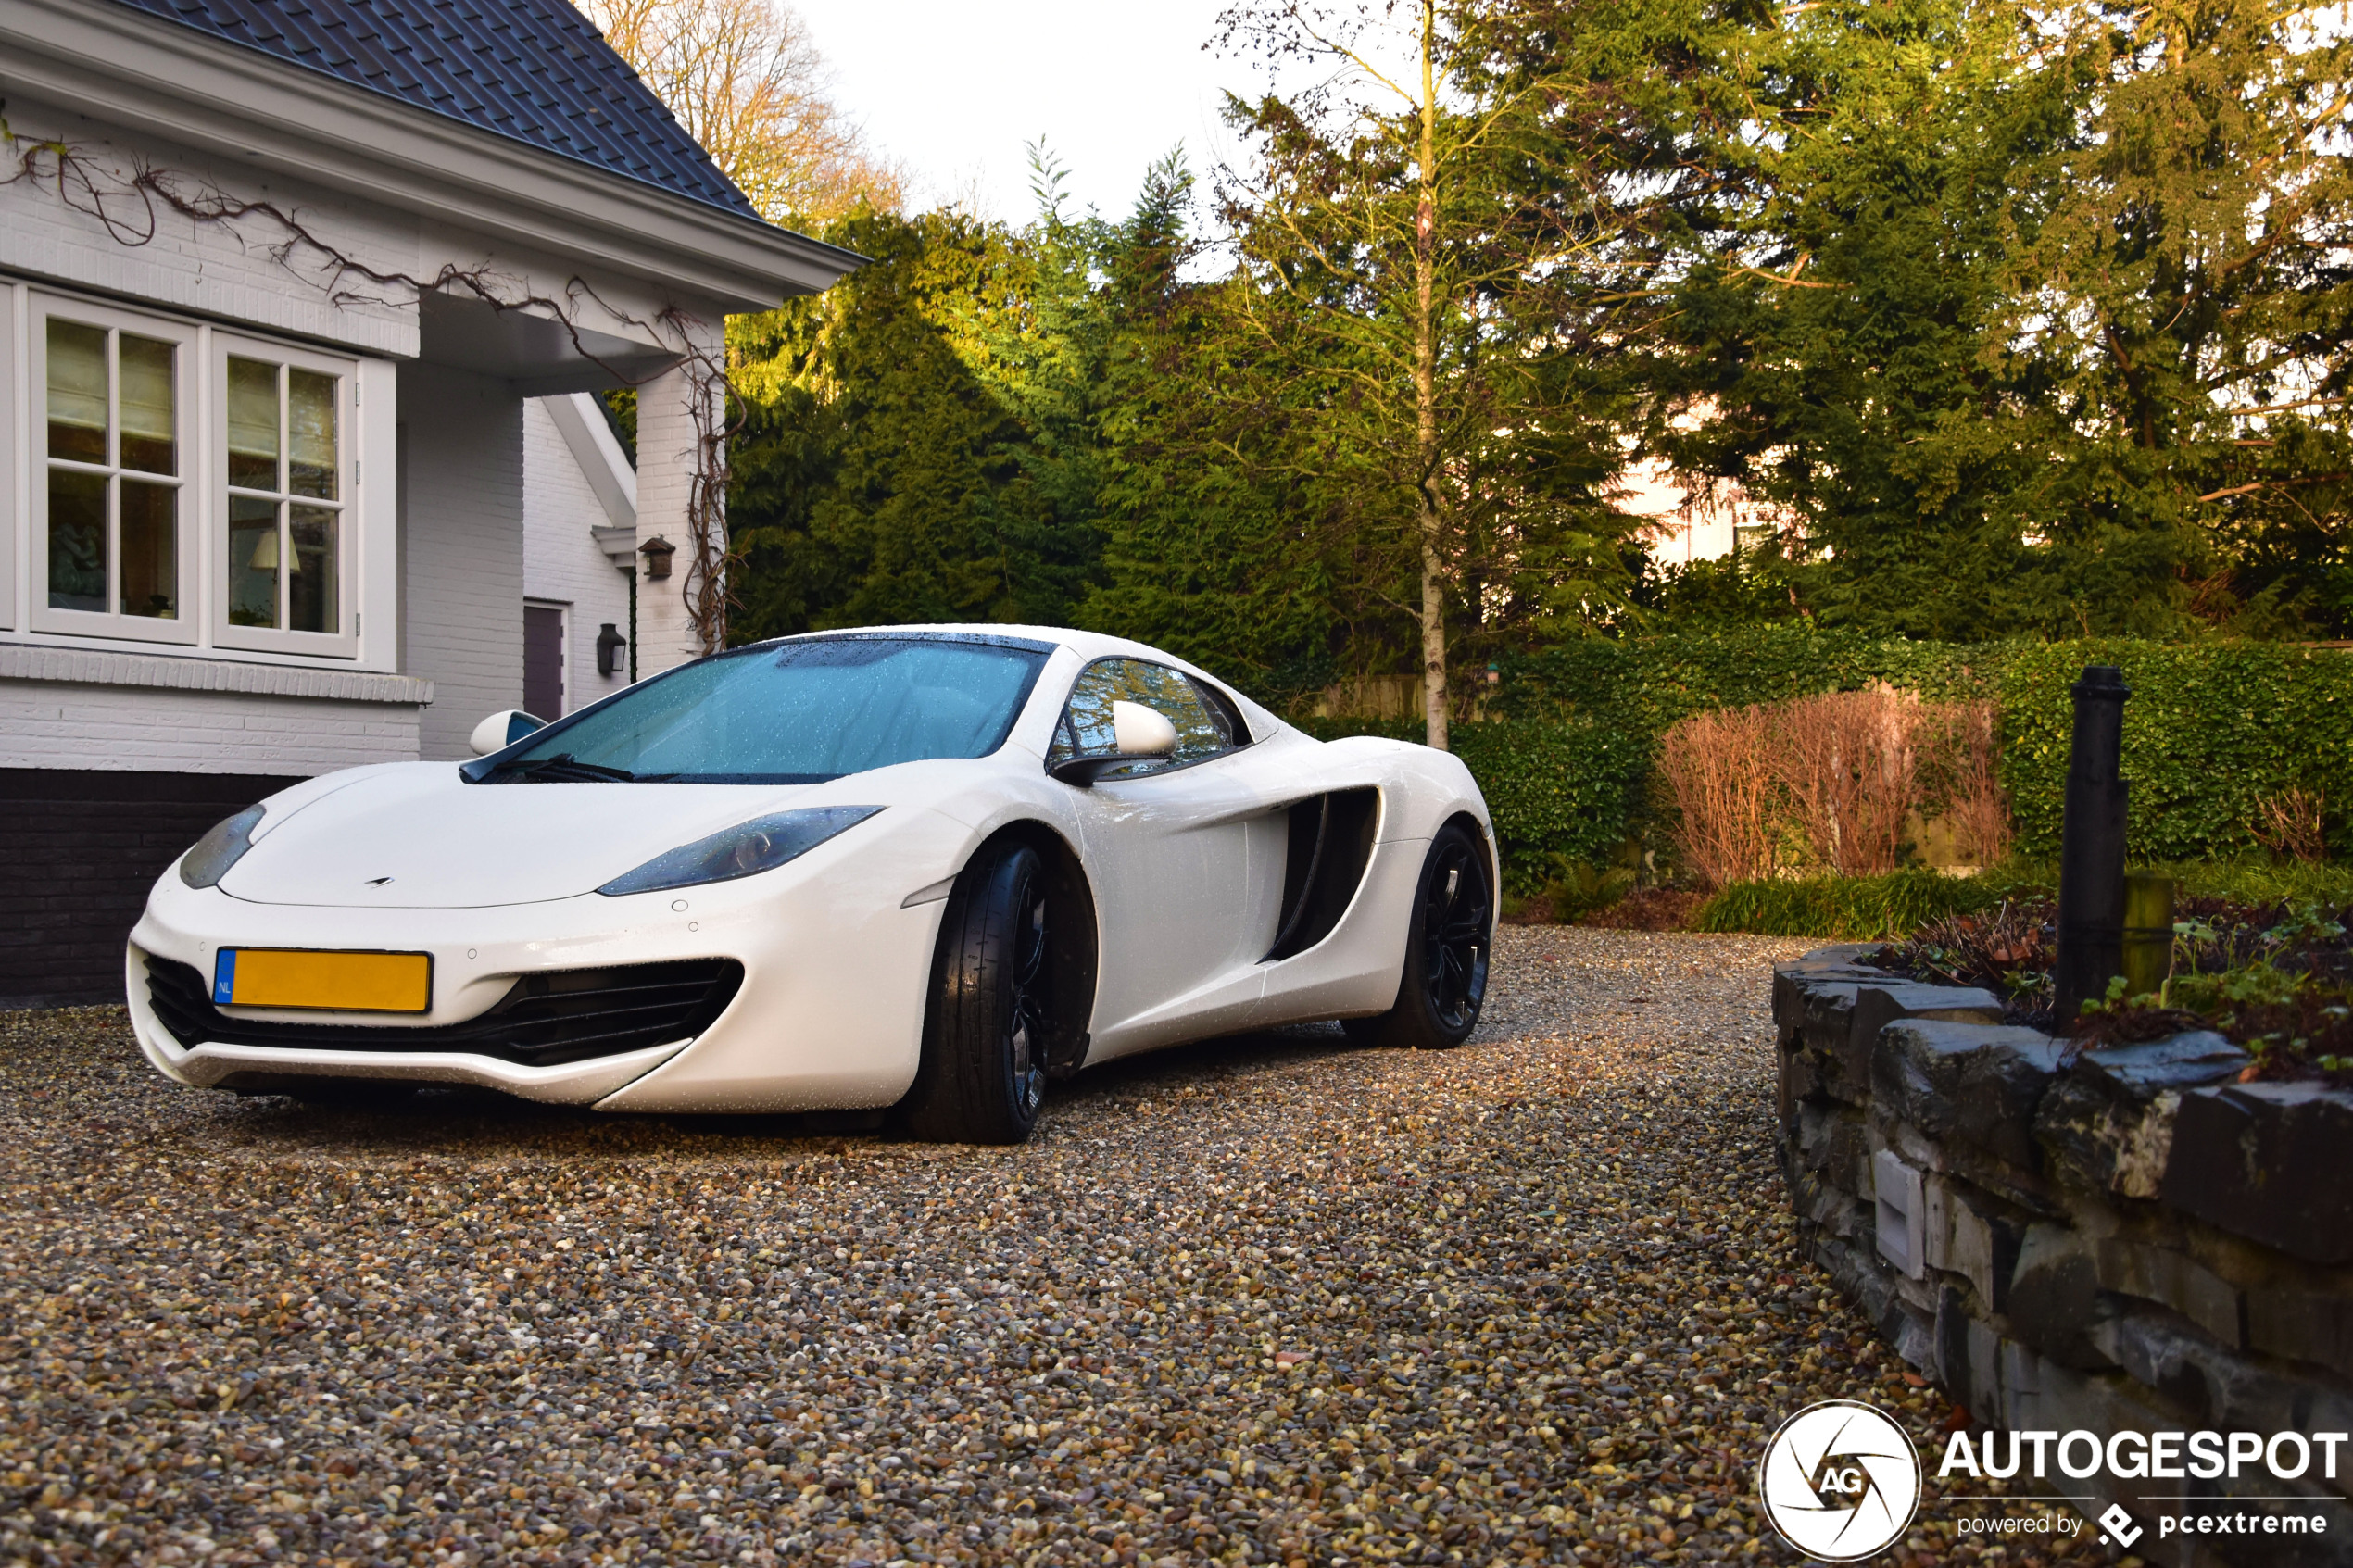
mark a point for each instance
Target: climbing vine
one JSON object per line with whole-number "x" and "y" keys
{"x": 129, "y": 199}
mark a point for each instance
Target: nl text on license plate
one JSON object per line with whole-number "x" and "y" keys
{"x": 289, "y": 977}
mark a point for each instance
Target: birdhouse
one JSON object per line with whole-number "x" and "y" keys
{"x": 657, "y": 551}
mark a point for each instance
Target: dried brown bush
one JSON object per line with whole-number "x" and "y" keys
{"x": 2294, "y": 822}
{"x": 1961, "y": 758}
{"x": 1841, "y": 772}
{"x": 1718, "y": 770}
{"x": 1849, "y": 763}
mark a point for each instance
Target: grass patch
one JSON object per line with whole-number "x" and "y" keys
{"x": 1850, "y": 908}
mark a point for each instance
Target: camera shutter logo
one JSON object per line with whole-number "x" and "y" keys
{"x": 1839, "y": 1481}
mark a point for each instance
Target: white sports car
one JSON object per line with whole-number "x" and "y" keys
{"x": 920, "y": 867}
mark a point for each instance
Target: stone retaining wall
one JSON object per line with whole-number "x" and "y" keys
{"x": 2124, "y": 1239}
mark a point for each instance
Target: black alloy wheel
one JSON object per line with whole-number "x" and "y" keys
{"x": 990, "y": 1018}
{"x": 1447, "y": 948}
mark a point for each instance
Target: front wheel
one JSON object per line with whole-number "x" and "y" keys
{"x": 1446, "y": 950}
{"x": 985, "y": 1032}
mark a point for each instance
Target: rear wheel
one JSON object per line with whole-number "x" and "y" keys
{"x": 983, "y": 1064}
{"x": 1447, "y": 942}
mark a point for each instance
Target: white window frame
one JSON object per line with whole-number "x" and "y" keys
{"x": 369, "y": 564}
{"x": 188, "y": 447}
{"x": 16, "y": 497}
{"x": 344, "y": 642}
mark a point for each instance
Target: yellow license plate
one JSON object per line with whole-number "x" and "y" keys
{"x": 286, "y": 977}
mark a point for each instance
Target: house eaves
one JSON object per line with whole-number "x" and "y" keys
{"x": 131, "y": 68}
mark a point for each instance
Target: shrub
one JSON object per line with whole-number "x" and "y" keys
{"x": 1961, "y": 779}
{"x": 2293, "y": 824}
{"x": 1844, "y": 772}
{"x": 1718, "y": 770}
{"x": 2213, "y": 732}
{"x": 1847, "y": 764}
{"x": 1560, "y": 794}
{"x": 2210, "y": 731}
{"x": 1852, "y": 908}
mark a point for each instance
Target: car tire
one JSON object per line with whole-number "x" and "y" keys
{"x": 1448, "y": 939}
{"x": 983, "y": 1074}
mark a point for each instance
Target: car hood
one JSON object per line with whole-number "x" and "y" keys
{"x": 419, "y": 836}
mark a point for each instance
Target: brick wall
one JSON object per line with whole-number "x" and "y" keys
{"x": 666, "y": 441}
{"x": 208, "y": 267}
{"x": 134, "y": 729}
{"x": 78, "y": 852}
{"x": 462, "y": 548}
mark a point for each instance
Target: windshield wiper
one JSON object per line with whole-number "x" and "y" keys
{"x": 563, "y": 767}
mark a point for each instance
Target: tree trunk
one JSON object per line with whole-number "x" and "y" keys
{"x": 1429, "y": 520}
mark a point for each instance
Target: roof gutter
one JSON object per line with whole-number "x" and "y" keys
{"x": 137, "y": 70}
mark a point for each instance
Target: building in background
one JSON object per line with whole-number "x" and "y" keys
{"x": 1689, "y": 523}
{"x": 301, "y": 304}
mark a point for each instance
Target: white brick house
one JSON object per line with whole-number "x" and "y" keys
{"x": 302, "y": 303}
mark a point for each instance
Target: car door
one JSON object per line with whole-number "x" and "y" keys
{"x": 1178, "y": 851}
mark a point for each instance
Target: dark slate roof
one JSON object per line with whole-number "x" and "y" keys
{"x": 533, "y": 70}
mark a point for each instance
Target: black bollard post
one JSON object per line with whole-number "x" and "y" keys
{"x": 2090, "y": 900}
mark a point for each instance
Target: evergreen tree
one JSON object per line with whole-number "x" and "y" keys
{"x": 1429, "y": 255}
{"x": 2030, "y": 321}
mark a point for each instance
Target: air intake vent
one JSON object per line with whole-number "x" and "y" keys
{"x": 545, "y": 1020}
{"x": 1331, "y": 842}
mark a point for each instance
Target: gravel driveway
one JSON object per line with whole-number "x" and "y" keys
{"x": 1268, "y": 1300}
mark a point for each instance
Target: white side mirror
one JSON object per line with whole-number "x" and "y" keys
{"x": 509, "y": 725}
{"x": 1138, "y": 730}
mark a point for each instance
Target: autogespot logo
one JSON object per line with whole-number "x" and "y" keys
{"x": 1839, "y": 1481}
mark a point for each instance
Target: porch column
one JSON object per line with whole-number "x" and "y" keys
{"x": 666, "y": 458}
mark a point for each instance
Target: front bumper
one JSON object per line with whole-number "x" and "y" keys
{"x": 828, "y": 1014}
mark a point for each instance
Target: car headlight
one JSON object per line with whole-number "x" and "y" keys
{"x": 222, "y": 846}
{"x": 746, "y": 849}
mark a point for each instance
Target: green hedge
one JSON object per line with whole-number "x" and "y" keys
{"x": 1565, "y": 752}
{"x": 1643, "y": 685}
{"x": 1561, "y": 793}
{"x": 2209, "y": 729}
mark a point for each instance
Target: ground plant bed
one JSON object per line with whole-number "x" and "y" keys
{"x": 2144, "y": 1226}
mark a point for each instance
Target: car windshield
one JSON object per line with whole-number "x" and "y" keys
{"x": 800, "y": 712}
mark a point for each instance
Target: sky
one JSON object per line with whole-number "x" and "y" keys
{"x": 954, "y": 92}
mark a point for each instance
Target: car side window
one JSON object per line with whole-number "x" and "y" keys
{"x": 1204, "y": 728}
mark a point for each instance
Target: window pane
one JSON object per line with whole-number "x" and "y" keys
{"x": 253, "y": 425}
{"x": 150, "y": 549}
{"x": 77, "y": 392}
{"x": 252, "y": 562}
{"x": 77, "y": 541}
{"x": 1086, "y": 728}
{"x": 144, "y": 403}
{"x": 310, "y": 580}
{"x": 310, "y": 435}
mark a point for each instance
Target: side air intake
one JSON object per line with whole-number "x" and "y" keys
{"x": 1331, "y": 842}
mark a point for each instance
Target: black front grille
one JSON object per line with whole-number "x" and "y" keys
{"x": 545, "y": 1021}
